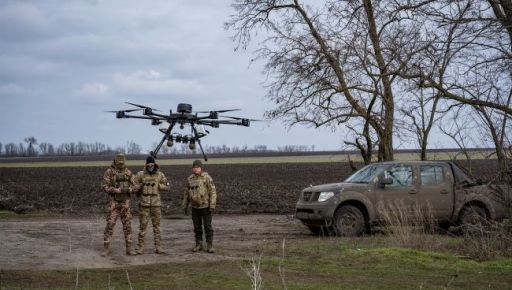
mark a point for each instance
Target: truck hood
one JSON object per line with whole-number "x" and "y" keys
{"x": 334, "y": 186}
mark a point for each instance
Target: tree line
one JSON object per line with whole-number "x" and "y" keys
{"x": 384, "y": 72}
{"x": 30, "y": 147}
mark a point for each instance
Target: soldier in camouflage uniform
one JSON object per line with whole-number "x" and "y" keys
{"x": 200, "y": 193}
{"x": 150, "y": 182}
{"x": 118, "y": 183}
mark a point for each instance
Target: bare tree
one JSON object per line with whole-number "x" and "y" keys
{"x": 468, "y": 53}
{"x": 459, "y": 127}
{"x": 133, "y": 148}
{"x": 31, "y": 141}
{"x": 327, "y": 64}
{"x": 420, "y": 112}
{"x": 1, "y": 148}
{"x": 11, "y": 149}
{"x": 503, "y": 12}
{"x": 496, "y": 130}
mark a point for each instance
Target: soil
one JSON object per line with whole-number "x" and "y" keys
{"x": 70, "y": 243}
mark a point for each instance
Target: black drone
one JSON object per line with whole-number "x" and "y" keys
{"x": 184, "y": 115}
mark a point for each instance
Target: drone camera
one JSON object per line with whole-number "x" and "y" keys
{"x": 170, "y": 142}
{"x": 178, "y": 138}
{"x": 120, "y": 114}
{"x": 246, "y": 122}
{"x": 192, "y": 144}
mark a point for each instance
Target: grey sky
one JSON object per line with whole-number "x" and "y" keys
{"x": 65, "y": 62}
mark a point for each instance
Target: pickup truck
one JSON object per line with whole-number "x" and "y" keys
{"x": 351, "y": 207}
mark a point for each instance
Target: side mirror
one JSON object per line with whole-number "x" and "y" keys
{"x": 385, "y": 181}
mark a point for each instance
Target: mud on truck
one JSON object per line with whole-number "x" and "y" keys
{"x": 351, "y": 207}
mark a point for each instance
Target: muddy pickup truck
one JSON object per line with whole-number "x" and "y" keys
{"x": 350, "y": 207}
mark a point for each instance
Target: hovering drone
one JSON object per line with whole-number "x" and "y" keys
{"x": 183, "y": 116}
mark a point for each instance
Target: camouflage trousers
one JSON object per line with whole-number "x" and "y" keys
{"x": 114, "y": 210}
{"x": 202, "y": 217}
{"x": 145, "y": 213}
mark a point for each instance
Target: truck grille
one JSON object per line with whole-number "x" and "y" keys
{"x": 310, "y": 196}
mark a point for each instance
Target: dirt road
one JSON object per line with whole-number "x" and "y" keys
{"x": 69, "y": 243}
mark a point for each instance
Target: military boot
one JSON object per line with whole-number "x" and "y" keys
{"x": 106, "y": 249}
{"x": 129, "y": 251}
{"x": 158, "y": 250}
{"x": 198, "y": 247}
{"x": 209, "y": 248}
{"x": 158, "y": 246}
{"x": 140, "y": 247}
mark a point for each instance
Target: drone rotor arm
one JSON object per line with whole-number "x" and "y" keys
{"x": 166, "y": 136}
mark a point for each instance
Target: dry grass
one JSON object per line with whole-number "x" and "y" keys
{"x": 488, "y": 240}
{"x": 252, "y": 270}
{"x": 406, "y": 226}
{"x": 416, "y": 228}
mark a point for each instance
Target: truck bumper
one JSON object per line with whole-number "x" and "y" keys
{"x": 314, "y": 214}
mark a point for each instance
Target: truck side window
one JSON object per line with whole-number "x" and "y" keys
{"x": 431, "y": 174}
{"x": 401, "y": 175}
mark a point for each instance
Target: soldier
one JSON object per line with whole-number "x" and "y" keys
{"x": 201, "y": 194}
{"x": 150, "y": 182}
{"x": 118, "y": 182}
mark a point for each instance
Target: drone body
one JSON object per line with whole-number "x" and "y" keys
{"x": 183, "y": 116}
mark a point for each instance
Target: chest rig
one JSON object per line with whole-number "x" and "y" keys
{"x": 150, "y": 184}
{"x": 122, "y": 181}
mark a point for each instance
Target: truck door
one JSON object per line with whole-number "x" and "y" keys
{"x": 436, "y": 189}
{"x": 399, "y": 193}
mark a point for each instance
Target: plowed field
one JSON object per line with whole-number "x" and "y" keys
{"x": 241, "y": 188}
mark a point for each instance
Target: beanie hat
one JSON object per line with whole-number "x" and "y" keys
{"x": 150, "y": 159}
{"x": 197, "y": 163}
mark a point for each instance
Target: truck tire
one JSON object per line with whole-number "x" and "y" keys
{"x": 349, "y": 221}
{"x": 472, "y": 219}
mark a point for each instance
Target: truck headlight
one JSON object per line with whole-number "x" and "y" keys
{"x": 325, "y": 196}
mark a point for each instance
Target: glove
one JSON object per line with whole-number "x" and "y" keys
{"x": 185, "y": 211}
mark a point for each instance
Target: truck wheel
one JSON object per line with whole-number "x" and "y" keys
{"x": 472, "y": 219}
{"x": 349, "y": 221}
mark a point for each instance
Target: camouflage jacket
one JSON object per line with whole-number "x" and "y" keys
{"x": 149, "y": 187}
{"x": 200, "y": 191}
{"x": 114, "y": 178}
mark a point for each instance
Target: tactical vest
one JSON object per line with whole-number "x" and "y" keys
{"x": 150, "y": 184}
{"x": 122, "y": 181}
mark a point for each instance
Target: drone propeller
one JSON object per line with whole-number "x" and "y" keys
{"x": 126, "y": 111}
{"x": 142, "y": 106}
{"x": 218, "y": 111}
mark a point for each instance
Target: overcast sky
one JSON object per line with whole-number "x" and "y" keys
{"x": 63, "y": 63}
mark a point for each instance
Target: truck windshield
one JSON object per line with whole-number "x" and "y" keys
{"x": 366, "y": 174}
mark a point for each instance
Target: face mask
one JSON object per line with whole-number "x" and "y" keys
{"x": 151, "y": 168}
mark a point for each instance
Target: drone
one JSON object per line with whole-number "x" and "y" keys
{"x": 183, "y": 116}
